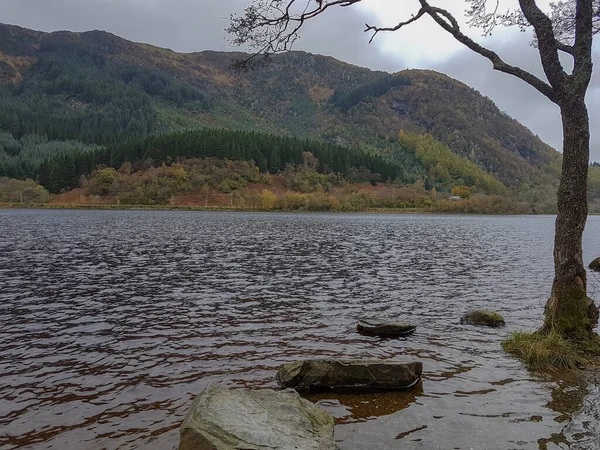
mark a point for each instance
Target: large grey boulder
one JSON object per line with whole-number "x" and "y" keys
{"x": 228, "y": 419}
{"x": 349, "y": 375}
{"x": 383, "y": 328}
{"x": 595, "y": 265}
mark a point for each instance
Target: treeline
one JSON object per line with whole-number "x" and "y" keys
{"x": 72, "y": 92}
{"x": 217, "y": 183}
{"x": 271, "y": 153}
{"x": 21, "y": 158}
{"x": 347, "y": 99}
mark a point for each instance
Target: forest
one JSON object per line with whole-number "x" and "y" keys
{"x": 347, "y": 98}
{"x": 261, "y": 171}
{"x": 21, "y": 158}
{"x": 270, "y": 153}
{"x": 213, "y": 183}
{"x": 72, "y": 101}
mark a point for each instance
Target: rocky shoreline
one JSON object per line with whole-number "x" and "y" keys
{"x": 228, "y": 419}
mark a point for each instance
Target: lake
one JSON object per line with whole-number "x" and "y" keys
{"x": 112, "y": 321}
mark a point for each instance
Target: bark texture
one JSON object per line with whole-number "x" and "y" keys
{"x": 569, "y": 310}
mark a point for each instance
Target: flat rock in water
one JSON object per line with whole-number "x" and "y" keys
{"x": 483, "y": 317}
{"x": 228, "y": 419}
{"x": 349, "y": 375}
{"x": 385, "y": 328}
{"x": 595, "y": 265}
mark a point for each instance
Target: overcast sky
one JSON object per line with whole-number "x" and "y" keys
{"x": 194, "y": 25}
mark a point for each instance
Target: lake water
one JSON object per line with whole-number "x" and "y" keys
{"x": 112, "y": 321}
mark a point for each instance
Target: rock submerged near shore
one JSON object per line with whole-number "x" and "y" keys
{"x": 227, "y": 419}
{"x": 384, "y": 328}
{"x": 483, "y": 317}
{"x": 349, "y": 376}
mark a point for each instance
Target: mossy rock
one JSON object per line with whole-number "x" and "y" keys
{"x": 483, "y": 317}
{"x": 595, "y": 265}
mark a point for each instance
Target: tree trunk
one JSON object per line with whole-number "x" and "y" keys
{"x": 569, "y": 310}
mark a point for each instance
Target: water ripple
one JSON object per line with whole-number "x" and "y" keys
{"x": 112, "y": 321}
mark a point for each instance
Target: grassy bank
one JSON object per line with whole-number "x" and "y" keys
{"x": 544, "y": 352}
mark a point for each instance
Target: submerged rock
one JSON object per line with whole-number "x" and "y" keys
{"x": 374, "y": 327}
{"x": 349, "y": 375}
{"x": 483, "y": 317}
{"x": 595, "y": 265}
{"x": 227, "y": 419}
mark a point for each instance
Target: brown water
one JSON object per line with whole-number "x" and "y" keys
{"x": 112, "y": 321}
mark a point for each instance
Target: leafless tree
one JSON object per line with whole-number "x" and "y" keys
{"x": 272, "y": 26}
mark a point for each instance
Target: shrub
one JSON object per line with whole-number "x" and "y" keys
{"x": 462, "y": 191}
{"x": 268, "y": 200}
{"x": 22, "y": 191}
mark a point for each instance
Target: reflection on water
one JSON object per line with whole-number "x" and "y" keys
{"x": 349, "y": 408}
{"x": 112, "y": 321}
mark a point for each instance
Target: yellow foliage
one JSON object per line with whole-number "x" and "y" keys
{"x": 180, "y": 173}
{"x": 462, "y": 191}
{"x": 334, "y": 204}
{"x": 268, "y": 200}
{"x": 295, "y": 200}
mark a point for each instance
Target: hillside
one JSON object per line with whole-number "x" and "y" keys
{"x": 95, "y": 88}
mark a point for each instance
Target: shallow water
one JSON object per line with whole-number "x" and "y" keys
{"x": 112, "y": 321}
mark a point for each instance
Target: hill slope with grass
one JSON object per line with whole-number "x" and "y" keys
{"x": 99, "y": 89}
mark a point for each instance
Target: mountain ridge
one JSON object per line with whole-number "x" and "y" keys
{"x": 291, "y": 95}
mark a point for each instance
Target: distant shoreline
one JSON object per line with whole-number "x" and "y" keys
{"x": 100, "y": 207}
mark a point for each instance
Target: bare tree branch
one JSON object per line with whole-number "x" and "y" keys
{"x": 450, "y": 24}
{"x": 444, "y": 19}
{"x": 546, "y": 40}
{"x": 564, "y": 47}
{"x": 562, "y": 15}
{"x": 269, "y": 27}
{"x": 582, "y": 54}
{"x": 481, "y": 18}
{"x": 396, "y": 28}
{"x": 564, "y": 20}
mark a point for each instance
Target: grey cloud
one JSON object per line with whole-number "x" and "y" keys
{"x": 183, "y": 25}
{"x": 340, "y": 34}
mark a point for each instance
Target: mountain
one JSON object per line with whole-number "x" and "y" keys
{"x": 69, "y": 92}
